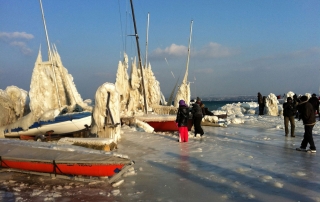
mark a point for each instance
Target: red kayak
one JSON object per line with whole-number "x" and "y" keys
{"x": 65, "y": 160}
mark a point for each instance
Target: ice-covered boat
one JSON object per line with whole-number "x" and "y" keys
{"x": 59, "y": 159}
{"x": 61, "y": 124}
{"x": 167, "y": 122}
{"x": 162, "y": 123}
{"x": 55, "y": 103}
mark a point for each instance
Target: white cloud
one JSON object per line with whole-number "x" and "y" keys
{"x": 22, "y": 46}
{"x": 173, "y": 50}
{"x": 15, "y": 35}
{"x": 212, "y": 50}
{"x": 15, "y": 39}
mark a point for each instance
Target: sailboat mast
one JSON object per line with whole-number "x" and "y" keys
{"x": 185, "y": 79}
{"x": 138, "y": 48}
{"x": 145, "y": 63}
{"x": 45, "y": 29}
{"x": 50, "y": 54}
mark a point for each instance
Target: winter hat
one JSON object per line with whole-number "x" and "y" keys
{"x": 182, "y": 103}
{"x": 289, "y": 98}
{"x": 304, "y": 98}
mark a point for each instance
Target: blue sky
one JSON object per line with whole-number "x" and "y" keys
{"x": 237, "y": 48}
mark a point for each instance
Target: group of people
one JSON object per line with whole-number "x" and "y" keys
{"x": 305, "y": 109}
{"x": 302, "y": 108}
{"x": 197, "y": 111}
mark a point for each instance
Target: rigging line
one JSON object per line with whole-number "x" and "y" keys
{"x": 125, "y": 34}
{"x": 45, "y": 30}
{"x": 123, "y": 44}
{"x": 188, "y": 55}
{"x": 50, "y": 54}
{"x": 131, "y": 42}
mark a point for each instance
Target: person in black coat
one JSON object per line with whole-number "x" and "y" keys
{"x": 182, "y": 121}
{"x": 289, "y": 112}
{"x": 315, "y": 102}
{"x": 197, "y": 116}
{"x": 306, "y": 113}
{"x": 261, "y": 103}
{"x": 205, "y": 110}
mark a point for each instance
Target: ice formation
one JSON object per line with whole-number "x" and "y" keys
{"x": 106, "y": 112}
{"x": 13, "y": 104}
{"x": 183, "y": 94}
{"x": 271, "y": 107}
{"x": 289, "y": 94}
{"x": 52, "y": 87}
{"x": 153, "y": 91}
{"x": 51, "y": 91}
{"x": 184, "y": 89}
{"x": 131, "y": 91}
{"x": 122, "y": 83}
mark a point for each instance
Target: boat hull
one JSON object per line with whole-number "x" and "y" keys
{"x": 63, "y": 124}
{"x": 59, "y": 159}
{"x": 86, "y": 169}
{"x": 162, "y": 126}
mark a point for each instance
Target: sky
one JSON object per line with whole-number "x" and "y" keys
{"x": 237, "y": 47}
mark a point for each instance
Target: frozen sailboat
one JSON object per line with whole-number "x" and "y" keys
{"x": 167, "y": 123}
{"x": 55, "y": 103}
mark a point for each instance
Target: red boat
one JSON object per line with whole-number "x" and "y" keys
{"x": 56, "y": 159}
{"x": 162, "y": 123}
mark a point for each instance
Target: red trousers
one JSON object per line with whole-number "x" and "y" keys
{"x": 183, "y": 134}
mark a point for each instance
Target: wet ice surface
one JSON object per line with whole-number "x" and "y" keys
{"x": 23, "y": 187}
{"x": 249, "y": 162}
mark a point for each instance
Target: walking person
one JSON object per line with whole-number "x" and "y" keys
{"x": 264, "y": 102}
{"x": 289, "y": 112}
{"x": 261, "y": 104}
{"x": 296, "y": 101}
{"x": 197, "y": 116}
{"x": 182, "y": 121}
{"x": 315, "y": 103}
{"x": 306, "y": 113}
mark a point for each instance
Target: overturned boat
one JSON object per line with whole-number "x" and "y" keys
{"x": 60, "y": 159}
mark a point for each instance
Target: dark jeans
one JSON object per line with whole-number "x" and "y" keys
{"x": 307, "y": 138}
{"x": 288, "y": 119}
{"x": 197, "y": 126}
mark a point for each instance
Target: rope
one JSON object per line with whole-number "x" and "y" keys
{"x": 54, "y": 168}
{"x": 3, "y": 163}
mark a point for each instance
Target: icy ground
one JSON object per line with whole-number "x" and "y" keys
{"x": 253, "y": 161}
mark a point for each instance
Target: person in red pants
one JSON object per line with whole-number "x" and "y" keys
{"x": 182, "y": 121}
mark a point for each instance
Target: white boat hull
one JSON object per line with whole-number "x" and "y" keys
{"x": 63, "y": 127}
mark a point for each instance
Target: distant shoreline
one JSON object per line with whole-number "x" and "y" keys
{"x": 231, "y": 99}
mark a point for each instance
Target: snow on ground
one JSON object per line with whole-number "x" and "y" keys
{"x": 251, "y": 161}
